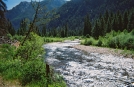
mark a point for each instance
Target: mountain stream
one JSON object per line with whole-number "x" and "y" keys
{"x": 83, "y": 69}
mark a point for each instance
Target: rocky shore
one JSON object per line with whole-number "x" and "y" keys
{"x": 102, "y": 50}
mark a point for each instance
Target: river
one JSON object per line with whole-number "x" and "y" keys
{"x": 83, "y": 69}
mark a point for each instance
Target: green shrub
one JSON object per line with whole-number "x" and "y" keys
{"x": 132, "y": 32}
{"x": 7, "y": 51}
{"x": 26, "y": 64}
{"x": 12, "y": 69}
{"x": 87, "y": 42}
{"x": 87, "y": 36}
{"x": 34, "y": 71}
{"x": 129, "y": 43}
{"x": 114, "y": 42}
{"x": 99, "y": 43}
{"x": 31, "y": 49}
{"x": 17, "y": 37}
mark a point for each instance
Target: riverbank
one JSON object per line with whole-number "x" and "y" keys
{"x": 104, "y": 50}
{"x": 92, "y": 67}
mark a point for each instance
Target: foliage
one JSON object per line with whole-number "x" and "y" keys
{"x": 99, "y": 43}
{"x": 89, "y": 41}
{"x": 31, "y": 48}
{"x": 34, "y": 71}
{"x": 87, "y": 26}
{"x": 121, "y": 40}
{"x": 26, "y": 64}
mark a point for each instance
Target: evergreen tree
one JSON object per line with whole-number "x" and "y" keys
{"x": 120, "y": 22}
{"x": 101, "y": 25}
{"x": 54, "y": 34}
{"x": 44, "y": 31}
{"x": 62, "y": 33}
{"x": 115, "y": 23}
{"x": 37, "y": 31}
{"x": 106, "y": 16}
{"x": 130, "y": 25}
{"x": 3, "y": 21}
{"x": 66, "y": 30}
{"x": 96, "y": 30}
{"x": 108, "y": 26}
{"x": 11, "y": 30}
{"x": 3, "y": 8}
{"x": 125, "y": 20}
{"x": 23, "y": 27}
{"x": 87, "y": 26}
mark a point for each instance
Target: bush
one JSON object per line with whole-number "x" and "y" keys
{"x": 34, "y": 71}
{"x": 99, "y": 43}
{"x": 129, "y": 43}
{"x": 132, "y": 32}
{"x": 114, "y": 42}
{"x": 87, "y": 36}
{"x": 88, "y": 42}
{"x": 31, "y": 49}
{"x": 26, "y": 64}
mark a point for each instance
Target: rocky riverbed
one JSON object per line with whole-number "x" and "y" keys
{"x": 89, "y": 69}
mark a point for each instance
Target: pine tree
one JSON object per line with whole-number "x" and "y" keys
{"x": 44, "y": 31}
{"x": 96, "y": 30}
{"x": 3, "y": 21}
{"x": 115, "y": 23}
{"x": 66, "y": 30}
{"x": 37, "y": 31}
{"x": 120, "y": 21}
{"x": 23, "y": 27}
{"x": 87, "y": 26}
{"x": 125, "y": 20}
{"x": 101, "y": 25}
{"x": 62, "y": 33}
{"x": 106, "y": 16}
{"x": 130, "y": 25}
{"x": 108, "y": 26}
{"x": 3, "y": 8}
{"x": 11, "y": 30}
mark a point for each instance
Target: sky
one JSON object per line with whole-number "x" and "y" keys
{"x": 12, "y": 3}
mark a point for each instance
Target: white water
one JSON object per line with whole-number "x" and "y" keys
{"x": 81, "y": 69}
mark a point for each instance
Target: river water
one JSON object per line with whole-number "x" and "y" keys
{"x": 83, "y": 69}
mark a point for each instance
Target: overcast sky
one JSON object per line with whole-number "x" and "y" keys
{"x": 12, "y": 3}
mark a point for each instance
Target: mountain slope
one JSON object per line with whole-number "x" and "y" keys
{"x": 74, "y": 11}
{"x": 25, "y": 10}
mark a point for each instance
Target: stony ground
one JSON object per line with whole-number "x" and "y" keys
{"x": 102, "y": 50}
{"x": 89, "y": 66}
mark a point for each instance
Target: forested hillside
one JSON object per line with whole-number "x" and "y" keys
{"x": 98, "y": 24}
{"x": 25, "y": 10}
{"x": 74, "y": 11}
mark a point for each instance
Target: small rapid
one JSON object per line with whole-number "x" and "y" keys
{"x": 83, "y": 69}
